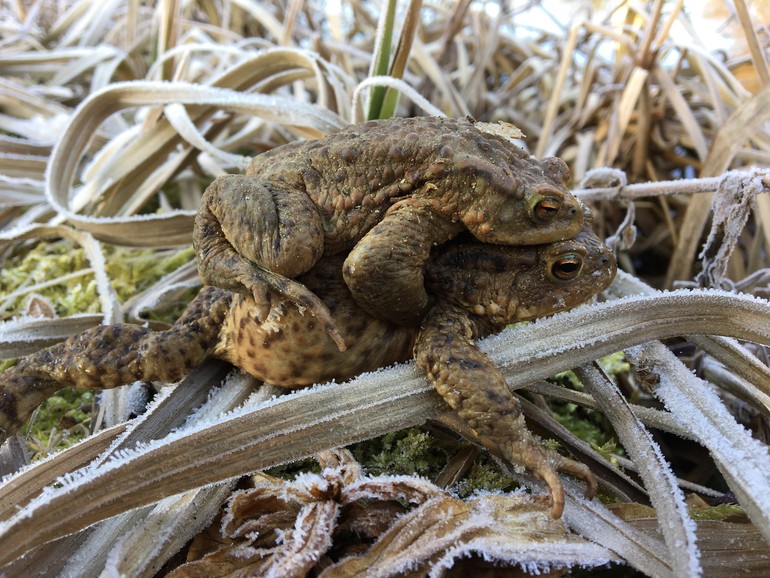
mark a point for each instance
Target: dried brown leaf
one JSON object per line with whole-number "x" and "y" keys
{"x": 509, "y": 530}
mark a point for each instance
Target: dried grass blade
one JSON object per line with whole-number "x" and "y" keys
{"x": 247, "y": 441}
{"x": 173, "y": 228}
{"x": 402, "y": 87}
{"x": 22, "y": 166}
{"x": 726, "y": 350}
{"x": 723, "y": 377}
{"x": 179, "y": 119}
{"x": 664, "y": 33}
{"x": 757, "y": 53}
{"x": 683, "y": 111}
{"x": 584, "y": 334}
{"x": 167, "y": 411}
{"x": 594, "y": 521}
{"x": 645, "y": 55}
{"x": 168, "y": 287}
{"x": 448, "y": 98}
{"x": 19, "y": 488}
{"x": 674, "y": 522}
{"x": 763, "y": 218}
{"x": 743, "y": 460}
{"x": 650, "y": 417}
{"x": 630, "y": 96}
{"x": 160, "y": 532}
{"x": 263, "y": 15}
{"x": 741, "y": 125}
{"x": 26, "y": 335}
{"x": 742, "y": 363}
{"x": 553, "y": 104}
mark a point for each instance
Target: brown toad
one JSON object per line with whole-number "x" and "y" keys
{"x": 386, "y": 192}
{"x": 478, "y": 290}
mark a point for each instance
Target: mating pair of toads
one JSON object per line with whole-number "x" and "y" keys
{"x": 387, "y": 240}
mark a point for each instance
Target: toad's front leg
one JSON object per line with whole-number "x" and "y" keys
{"x": 473, "y": 386}
{"x": 385, "y": 271}
{"x": 252, "y": 237}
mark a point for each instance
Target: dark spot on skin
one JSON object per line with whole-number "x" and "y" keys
{"x": 349, "y": 154}
{"x": 398, "y": 152}
{"x": 498, "y": 398}
{"x": 8, "y": 405}
{"x": 469, "y": 364}
{"x": 509, "y": 410}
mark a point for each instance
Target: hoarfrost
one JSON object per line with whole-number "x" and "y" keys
{"x": 743, "y": 459}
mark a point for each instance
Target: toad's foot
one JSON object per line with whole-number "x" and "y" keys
{"x": 265, "y": 286}
{"x": 545, "y": 464}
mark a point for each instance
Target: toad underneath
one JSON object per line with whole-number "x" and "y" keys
{"x": 384, "y": 192}
{"x": 476, "y": 290}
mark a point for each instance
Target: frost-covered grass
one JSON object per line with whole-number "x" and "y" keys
{"x": 115, "y": 118}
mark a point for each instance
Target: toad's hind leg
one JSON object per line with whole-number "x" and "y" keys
{"x": 473, "y": 386}
{"x": 252, "y": 237}
{"x": 109, "y": 356}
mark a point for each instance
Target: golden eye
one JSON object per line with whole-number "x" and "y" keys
{"x": 567, "y": 267}
{"x": 546, "y": 209}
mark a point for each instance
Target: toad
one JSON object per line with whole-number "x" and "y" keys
{"x": 384, "y": 192}
{"x": 478, "y": 289}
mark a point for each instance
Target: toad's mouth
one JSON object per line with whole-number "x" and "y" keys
{"x": 525, "y": 313}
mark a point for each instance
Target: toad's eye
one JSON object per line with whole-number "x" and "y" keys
{"x": 546, "y": 209}
{"x": 567, "y": 267}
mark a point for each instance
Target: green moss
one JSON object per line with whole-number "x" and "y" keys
{"x": 484, "y": 476}
{"x": 721, "y": 512}
{"x": 411, "y": 451}
{"x": 130, "y": 271}
{"x": 60, "y": 421}
{"x": 615, "y": 363}
{"x": 589, "y": 425}
{"x": 134, "y": 270}
{"x": 6, "y": 363}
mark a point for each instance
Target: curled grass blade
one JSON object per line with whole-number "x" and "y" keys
{"x": 668, "y": 500}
